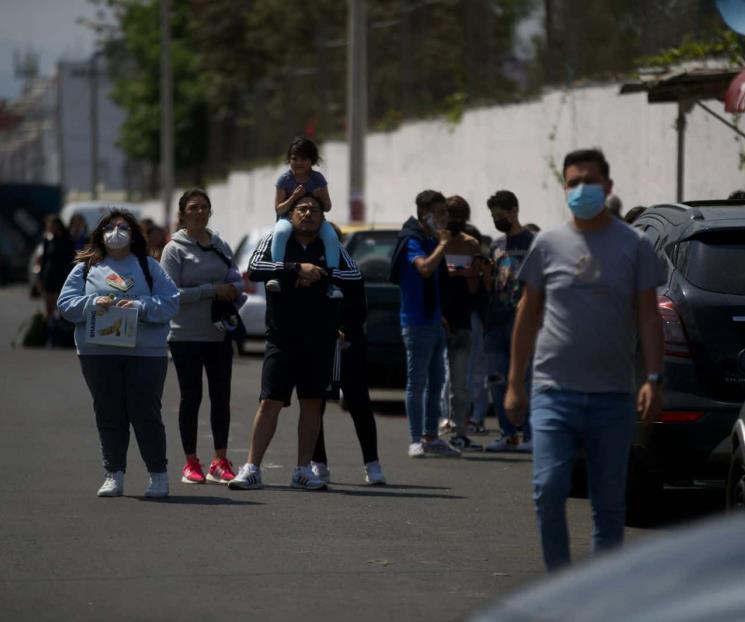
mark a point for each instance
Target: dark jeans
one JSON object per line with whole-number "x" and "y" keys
{"x": 357, "y": 396}
{"x": 216, "y": 358}
{"x": 126, "y": 391}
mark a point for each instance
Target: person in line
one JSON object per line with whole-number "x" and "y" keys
{"x": 78, "y": 232}
{"x": 354, "y": 384}
{"x": 157, "y": 237}
{"x": 461, "y": 253}
{"x": 301, "y": 179}
{"x": 506, "y": 254}
{"x": 57, "y": 259}
{"x": 417, "y": 267}
{"x": 302, "y": 327}
{"x": 201, "y": 265}
{"x": 126, "y": 384}
{"x": 590, "y": 288}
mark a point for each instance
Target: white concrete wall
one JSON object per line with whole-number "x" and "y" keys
{"x": 508, "y": 147}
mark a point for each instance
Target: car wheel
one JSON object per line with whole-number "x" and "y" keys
{"x": 736, "y": 483}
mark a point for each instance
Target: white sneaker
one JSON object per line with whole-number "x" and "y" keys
{"x": 321, "y": 471}
{"x": 374, "y": 474}
{"x": 274, "y": 286}
{"x": 334, "y": 292}
{"x": 303, "y": 477}
{"x": 157, "y": 486}
{"x": 248, "y": 478}
{"x": 416, "y": 450}
{"x": 440, "y": 447}
{"x": 525, "y": 447}
{"x": 113, "y": 485}
{"x": 503, "y": 443}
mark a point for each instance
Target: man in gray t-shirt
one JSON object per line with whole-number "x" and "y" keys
{"x": 590, "y": 288}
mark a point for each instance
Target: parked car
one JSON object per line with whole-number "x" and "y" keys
{"x": 702, "y": 303}
{"x": 372, "y": 250}
{"x": 253, "y": 311}
{"x": 736, "y": 475}
{"x": 689, "y": 575}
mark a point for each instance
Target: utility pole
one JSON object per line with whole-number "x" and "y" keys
{"x": 93, "y": 88}
{"x": 166, "y": 111}
{"x": 357, "y": 106}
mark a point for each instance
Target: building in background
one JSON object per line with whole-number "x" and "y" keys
{"x": 56, "y": 129}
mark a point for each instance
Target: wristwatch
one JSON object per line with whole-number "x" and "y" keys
{"x": 654, "y": 378}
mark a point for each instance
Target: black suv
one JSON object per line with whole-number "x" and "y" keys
{"x": 372, "y": 251}
{"x": 702, "y": 244}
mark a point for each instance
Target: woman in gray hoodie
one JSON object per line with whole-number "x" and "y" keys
{"x": 201, "y": 266}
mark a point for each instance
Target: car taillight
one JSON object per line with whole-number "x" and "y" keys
{"x": 679, "y": 416}
{"x": 676, "y": 342}
{"x": 249, "y": 287}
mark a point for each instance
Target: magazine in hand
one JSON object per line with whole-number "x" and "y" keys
{"x": 116, "y": 326}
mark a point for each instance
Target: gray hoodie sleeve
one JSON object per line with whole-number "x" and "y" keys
{"x": 171, "y": 261}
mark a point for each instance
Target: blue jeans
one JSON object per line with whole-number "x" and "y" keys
{"x": 478, "y": 393}
{"x": 425, "y": 377}
{"x": 564, "y": 421}
{"x": 498, "y": 345}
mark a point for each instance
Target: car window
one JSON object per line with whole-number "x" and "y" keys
{"x": 707, "y": 261}
{"x": 372, "y": 252}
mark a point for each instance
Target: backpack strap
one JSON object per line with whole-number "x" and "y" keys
{"x": 223, "y": 257}
{"x": 144, "y": 266}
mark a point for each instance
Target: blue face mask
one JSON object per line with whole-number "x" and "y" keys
{"x": 586, "y": 200}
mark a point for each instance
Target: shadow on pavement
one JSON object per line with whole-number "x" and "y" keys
{"x": 186, "y": 500}
{"x": 396, "y": 486}
{"x": 485, "y": 457}
{"x": 379, "y": 491}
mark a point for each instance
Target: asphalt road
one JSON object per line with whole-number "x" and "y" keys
{"x": 441, "y": 540}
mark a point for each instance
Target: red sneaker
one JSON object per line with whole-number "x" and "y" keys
{"x": 221, "y": 471}
{"x": 192, "y": 472}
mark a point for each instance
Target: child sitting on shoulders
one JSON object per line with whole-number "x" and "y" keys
{"x": 299, "y": 180}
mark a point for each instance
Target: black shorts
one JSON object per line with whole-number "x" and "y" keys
{"x": 306, "y": 367}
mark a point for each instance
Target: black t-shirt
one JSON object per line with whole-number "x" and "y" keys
{"x": 507, "y": 253}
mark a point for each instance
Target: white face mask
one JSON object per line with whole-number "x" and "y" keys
{"x": 116, "y": 239}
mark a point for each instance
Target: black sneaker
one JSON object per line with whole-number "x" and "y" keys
{"x": 464, "y": 443}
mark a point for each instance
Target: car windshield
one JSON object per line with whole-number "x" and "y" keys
{"x": 713, "y": 261}
{"x": 372, "y": 252}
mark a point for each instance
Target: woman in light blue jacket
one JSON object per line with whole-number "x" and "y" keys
{"x": 126, "y": 383}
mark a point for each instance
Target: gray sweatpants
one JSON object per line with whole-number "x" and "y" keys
{"x": 127, "y": 390}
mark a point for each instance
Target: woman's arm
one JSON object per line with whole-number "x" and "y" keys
{"x": 73, "y": 302}
{"x": 171, "y": 262}
{"x": 163, "y": 303}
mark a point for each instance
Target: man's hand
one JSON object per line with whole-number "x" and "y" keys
{"x": 443, "y": 235}
{"x": 516, "y": 403}
{"x": 225, "y": 291}
{"x": 649, "y": 401}
{"x": 310, "y": 272}
{"x": 104, "y": 302}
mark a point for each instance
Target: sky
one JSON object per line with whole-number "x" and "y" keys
{"x": 47, "y": 27}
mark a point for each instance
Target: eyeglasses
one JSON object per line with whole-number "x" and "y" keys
{"x": 121, "y": 226}
{"x": 307, "y": 209}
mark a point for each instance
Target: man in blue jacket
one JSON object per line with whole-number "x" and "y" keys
{"x": 419, "y": 270}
